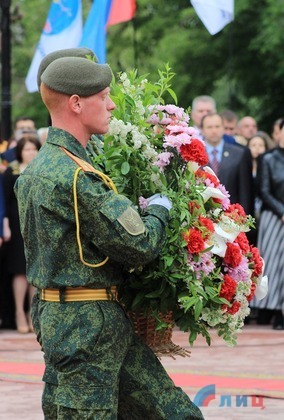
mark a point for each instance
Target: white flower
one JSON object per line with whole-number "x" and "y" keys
{"x": 226, "y": 231}
{"x": 261, "y": 288}
{"x": 216, "y": 212}
{"x": 140, "y": 108}
{"x": 229, "y": 225}
{"x": 143, "y": 83}
{"x": 156, "y": 180}
{"x": 123, "y": 76}
{"x": 126, "y": 83}
{"x": 150, "y": 153}
{"x": 210, "y": 171}
{"x": 219, "y": 245}
{"x": 212, "y": 192}
{"x": 193, "y": 166}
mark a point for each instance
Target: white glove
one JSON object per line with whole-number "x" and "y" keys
{"x": 160, "y": 200}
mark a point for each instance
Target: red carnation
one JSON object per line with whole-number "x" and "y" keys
{"x": 192, "y": 205}
{"x": 243, "y": 242}
{"x": 195, "y": 242}
{"x": 234, "y": 308}
{"x": 236, "y": 212}
{"x": 252, "y": 292}
{"x": 201, "y": 174}
{"x": 208, "y": 224}
{"x": 233, "y": 256}
{"x": 236, "y": 208}
{"x": 257, "y": 261}
{"x": 194, "y": 152}
{"x": 228, "y": 288}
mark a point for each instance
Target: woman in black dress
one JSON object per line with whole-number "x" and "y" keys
{"x": 271, "y": 228}
{"x": 15, "y": 264}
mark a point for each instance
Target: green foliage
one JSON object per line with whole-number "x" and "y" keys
{"x": 243, "y": 65}
{"x": 150, "y": 148}
{"x": 130, "y": 169}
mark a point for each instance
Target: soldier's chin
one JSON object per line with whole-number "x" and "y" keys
{"x": 103, "y": 130}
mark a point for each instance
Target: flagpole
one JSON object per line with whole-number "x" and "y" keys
{"x": 231, "y": 65}
{"x": 6, "y": 70}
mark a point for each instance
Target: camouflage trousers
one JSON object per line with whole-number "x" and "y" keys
{"x": 98, "y": 368}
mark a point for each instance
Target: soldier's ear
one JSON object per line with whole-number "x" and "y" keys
{"x": 75, "y": 104}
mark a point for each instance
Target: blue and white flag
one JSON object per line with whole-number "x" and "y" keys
{"x": 94, "y": 32}
{"x": 214, "y": 14}
{"x": 104, "y": 13}
{"x": 62, "y": 29}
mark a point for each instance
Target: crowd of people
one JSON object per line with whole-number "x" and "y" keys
{"x": 68, "y": 300}
{"x": 235, "y": 147}
{"x": 238, "y": 147}
{"x": 16, "y": 293}
{"x": 250, "y": 164}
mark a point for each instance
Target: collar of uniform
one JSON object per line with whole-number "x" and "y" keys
{"x": 95, "y": 145}
{"x": 62, "y": 138}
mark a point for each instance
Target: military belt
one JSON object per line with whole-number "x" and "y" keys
{"x": 77, "y": 294}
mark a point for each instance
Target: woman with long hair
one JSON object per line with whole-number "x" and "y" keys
{"x": 15, "y": 263}
{"x": 271, "y": 228}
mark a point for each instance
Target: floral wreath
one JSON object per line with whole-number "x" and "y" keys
{"x": 207, "y": 272}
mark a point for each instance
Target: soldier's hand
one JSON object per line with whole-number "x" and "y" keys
{"x": 160, "y": 200}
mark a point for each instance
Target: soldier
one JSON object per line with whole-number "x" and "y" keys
{"x": 79, "y": 234}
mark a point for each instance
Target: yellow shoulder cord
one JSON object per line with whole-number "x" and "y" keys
{"x": 85, "y": 166}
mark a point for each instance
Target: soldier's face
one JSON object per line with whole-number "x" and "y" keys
{"x": 97, "y": 112}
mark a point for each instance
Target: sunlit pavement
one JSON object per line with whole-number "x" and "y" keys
{"x": 241, "y": 382}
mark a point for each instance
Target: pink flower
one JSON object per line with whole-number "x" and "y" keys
{"x": 176, "y": 140}
{"x": 226, "y": 200}
{"x": 181, "y": 128}
{"x": 163, "y": 159}
{"x": 203, "y": 267}
{"x": 241, "y": 272}
{"x": 143, "y": 203}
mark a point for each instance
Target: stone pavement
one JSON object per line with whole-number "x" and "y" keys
{"x": 225, "y": 380}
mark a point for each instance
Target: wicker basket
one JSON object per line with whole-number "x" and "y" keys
{"x": 160, "y": 341}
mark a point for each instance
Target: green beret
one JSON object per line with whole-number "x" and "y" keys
{"x": 76, "y": 76}
{"x": 68, "y": 52}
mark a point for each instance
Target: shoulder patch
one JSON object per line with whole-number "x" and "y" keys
{"x": 132, "y": 222}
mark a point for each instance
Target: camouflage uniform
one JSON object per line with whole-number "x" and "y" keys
{"x": 96, "y": 367}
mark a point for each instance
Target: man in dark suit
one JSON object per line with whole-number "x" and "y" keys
{"x": 203, "y": 105}
{"x": 231, "y": 163}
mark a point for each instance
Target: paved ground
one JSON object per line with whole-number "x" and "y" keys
{"x": 219, "y": 373}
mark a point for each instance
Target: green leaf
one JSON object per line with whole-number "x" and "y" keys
{"x": 173, "y": 95}
{"x": 197, "y": 310}
{"x": 125, "y": 168}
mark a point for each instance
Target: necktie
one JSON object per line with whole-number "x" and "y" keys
{"x": 214, "y": 161}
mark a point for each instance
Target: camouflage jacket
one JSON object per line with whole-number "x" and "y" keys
{"x": 47, "y": 217}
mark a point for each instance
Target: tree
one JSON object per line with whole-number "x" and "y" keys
{"x": 242, "y": 66}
